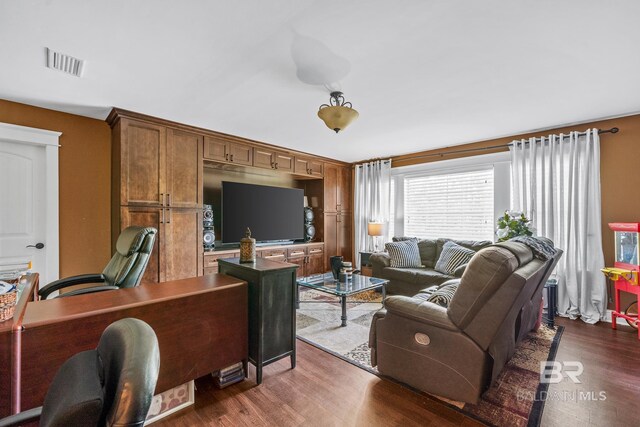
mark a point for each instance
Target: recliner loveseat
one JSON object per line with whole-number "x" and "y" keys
{"x": 458, "y": 351}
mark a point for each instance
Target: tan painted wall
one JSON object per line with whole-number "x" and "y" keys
{"x": 619, "y": 168}
{"x": 85, "y": 182}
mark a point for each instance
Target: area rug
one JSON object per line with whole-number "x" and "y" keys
{"x": 514, "y": 399}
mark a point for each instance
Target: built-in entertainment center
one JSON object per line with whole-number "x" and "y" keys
{"x": 163, "y": 172}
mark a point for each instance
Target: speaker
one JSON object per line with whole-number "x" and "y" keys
{"x": 309, "y": 229}
{"x": 208, "y": 235}
{"x": 207, "y": 216}
{"x": 208, "y": 239}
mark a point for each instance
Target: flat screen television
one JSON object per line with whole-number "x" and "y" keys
{"x": 272, "y": 213}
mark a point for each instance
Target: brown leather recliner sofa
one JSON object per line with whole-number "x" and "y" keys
{"x": 458, "y": 351}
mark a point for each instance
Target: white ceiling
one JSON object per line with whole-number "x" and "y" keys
{"x": 422, "y": 74}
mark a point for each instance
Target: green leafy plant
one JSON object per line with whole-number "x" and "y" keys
{"x": 512, "y": 224}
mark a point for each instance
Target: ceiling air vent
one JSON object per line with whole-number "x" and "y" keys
{"x": 65, "y": 63}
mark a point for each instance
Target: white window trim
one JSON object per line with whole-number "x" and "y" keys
{"x": 501, "y": 163}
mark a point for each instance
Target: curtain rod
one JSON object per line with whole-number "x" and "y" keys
{"x": 492, "y": 147}
{"x": 373, "y": 160}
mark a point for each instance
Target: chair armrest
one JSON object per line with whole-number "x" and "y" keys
{"x": 70, "y": 281}
{"x": 419, "y": 310}
{"x": 21, "y": 417}
{"x": 90, "y": 290}
{"x": 460, "y": 270}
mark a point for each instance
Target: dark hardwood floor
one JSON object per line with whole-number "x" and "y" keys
{"x": 326, "y": 391}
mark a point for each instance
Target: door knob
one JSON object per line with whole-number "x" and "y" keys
{"x": 37, "y": 246}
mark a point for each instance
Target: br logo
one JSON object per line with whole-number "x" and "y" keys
{"x": 551, "y": 372}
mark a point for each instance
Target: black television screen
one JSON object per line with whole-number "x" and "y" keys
{"x": 272, "y": 213}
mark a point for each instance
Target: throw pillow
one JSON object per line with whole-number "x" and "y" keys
{"x": 404, "y": 254}
{"x": 443, "y": 295}
{"x": 452, "y": 257}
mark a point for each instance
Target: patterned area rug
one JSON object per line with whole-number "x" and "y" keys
{"x": 512, "y": 401}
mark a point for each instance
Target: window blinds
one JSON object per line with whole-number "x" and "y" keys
{"x": 455, "y": 205}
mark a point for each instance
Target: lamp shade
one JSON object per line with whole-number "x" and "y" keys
{"x": 375, "y": 229}
{"x": 337, "y": 117}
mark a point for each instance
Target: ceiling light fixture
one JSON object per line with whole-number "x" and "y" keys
{"x": 338, "y": 114}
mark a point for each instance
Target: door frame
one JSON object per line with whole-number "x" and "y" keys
{"x": 49, "y": 140}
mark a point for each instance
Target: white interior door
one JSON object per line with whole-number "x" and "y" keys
{"x": 29, "y": 199}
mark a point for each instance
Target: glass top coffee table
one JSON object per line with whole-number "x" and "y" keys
{"x": 327, "y": 284}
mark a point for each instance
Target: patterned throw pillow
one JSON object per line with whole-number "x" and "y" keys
{"x": 404, "y": 254}
{"x": 444, "y": 294}
{"x": 452, "y": 257}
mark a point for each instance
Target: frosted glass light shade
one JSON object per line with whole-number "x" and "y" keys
{"x": 337, "y": 117}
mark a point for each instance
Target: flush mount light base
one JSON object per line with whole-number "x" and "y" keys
{"x": 338, "y": 114}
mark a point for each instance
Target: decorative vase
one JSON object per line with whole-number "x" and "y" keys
{"x": 248, "y": 248}
{"x": 336, "y": 265}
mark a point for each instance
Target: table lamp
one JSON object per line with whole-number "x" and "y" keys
{"x": 375, "y": 229}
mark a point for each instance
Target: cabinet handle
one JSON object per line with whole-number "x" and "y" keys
{"x": 168, "y": 199}
{"x": 276, "y": 166}
{"x": 311, "y": 171}
{"x": 273, "y": 165}
{"x": 231, "y": 158}
{"x": 161, "y": 199}
{"x": 169, "y": 221}
{"x": 162, "y": 218}
{"x": 226, "y": 156}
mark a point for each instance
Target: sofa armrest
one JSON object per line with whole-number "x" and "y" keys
{"x": 381, "y": 259}
{"x": 419, "y": 310}
{"x": 458, "y": 272}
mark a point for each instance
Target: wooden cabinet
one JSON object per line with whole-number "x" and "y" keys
{"x": 184, "y": 170}
{"x": 139, "y": 169}
{"x": 308, "y": 166}
{"x": 337, "y": 232}
{"x": 157, "y": 181}
{"x": 211, "y": 260}
{"x": 337, "y": 189}
{"x": 177, "y": 250}
{"x": 221, "y": 150}
{"x": 270, "y": 159}
{"x": 272, "y": 309}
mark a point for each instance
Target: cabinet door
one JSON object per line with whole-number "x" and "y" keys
{"x": 240, "y": 154}
{"x": 215, "y": 149}
{"x": 343, "y": 189}
{"x": 330, "y": 188}
{"x": 263, "y": 158}
{"x": 330, "y": 236}
{"x": 301, "y": 166}
{"x": 184, "y": 169}
{"x": 315, "y": 264}
{"x": 300, "y": 262}
{"x": 148, "y": 217}
{"x": 284, "y": 162}
{"x": 343, "y": 236}
{"x": 143, "y": 164}
{"x": 316, "y": 168}
{"x": 183, "y": 243}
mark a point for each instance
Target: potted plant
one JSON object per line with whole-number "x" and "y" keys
{"x": 512, "y": 224}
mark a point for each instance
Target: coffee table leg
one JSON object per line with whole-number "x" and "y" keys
{"x": 343, "y": 302}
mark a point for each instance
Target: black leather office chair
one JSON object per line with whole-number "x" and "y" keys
{"x": 125, "y": 269}
{"x": 110, "y": 386}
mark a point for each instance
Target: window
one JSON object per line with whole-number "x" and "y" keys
{"x": 457, "y": 205}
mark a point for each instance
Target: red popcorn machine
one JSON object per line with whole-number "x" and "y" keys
{"x": 624, "y": 274}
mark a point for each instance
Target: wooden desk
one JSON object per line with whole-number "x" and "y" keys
{"x": 201, "y": 325}
{"x": 10, "y": 349}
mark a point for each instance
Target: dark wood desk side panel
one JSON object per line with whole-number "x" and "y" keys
{"x": 197, "y": 334}
{"x": 5, "y": 373}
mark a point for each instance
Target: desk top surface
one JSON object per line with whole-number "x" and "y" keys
{"x": 60, "y": 309}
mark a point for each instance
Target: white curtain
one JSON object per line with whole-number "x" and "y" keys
{"x": 556, "y": 182}
{"x": 372, "y": 189}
